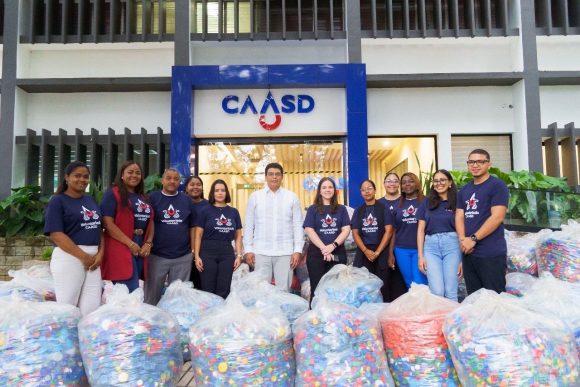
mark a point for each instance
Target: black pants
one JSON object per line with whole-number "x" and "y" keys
{"x": 218, "y": 267}
{"x": 318, "y": 267}
{"x": 393, "y": 283}
{"x": 488, "y": 273}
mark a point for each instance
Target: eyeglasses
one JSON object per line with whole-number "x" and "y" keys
{"x": 391, "y": 181}
{"x": 478, "y": 162}
{"x": 440, "y": 181}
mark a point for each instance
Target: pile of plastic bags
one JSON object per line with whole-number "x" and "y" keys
{"x": 519, "y": 284}
{"x": 495, "y": 339}
{"x": 413, "y": 337}
{"x": 11, "y": 289}
{"x": 559, "y": 253}
{"x": 39, "y": 344}
{"x": 239, "y": 345}
{"x": 350, "y": 285}
{"x": 37, "y": 278}
{"x": 129, "y": 342}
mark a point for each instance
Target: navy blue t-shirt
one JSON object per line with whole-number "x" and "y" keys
{"x": 141, "y": 210}
{"x": 437, "y": 220}
{"x": 406, "y": 222}
{"x": 476, "y": 202}
{"x": 200, "y": 205}
{"x": 369, "y": 227}
{"x": 174, "y": 217}
{"x": 390, "y": 204}
{"x": 219, "y": 223}
{"x": 327, "y": 225}
{"x": 78, "y": 218}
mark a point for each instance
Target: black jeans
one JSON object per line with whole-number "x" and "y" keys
{"x": 218, "y": 266}
{"x": 488, "y": 273}
{"x": 318, "y": 267}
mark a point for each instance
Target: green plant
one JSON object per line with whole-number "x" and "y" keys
{"x": 425, "y": 178}
{"x": 22, "y": 212}
{"x": 96, "y": 190}
{"x": 47, "y": 253}
{"x": 152, "y": 183}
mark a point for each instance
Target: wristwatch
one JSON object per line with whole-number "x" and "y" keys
{"x": 335, "y": 244}
{"x": 473, "y": 237}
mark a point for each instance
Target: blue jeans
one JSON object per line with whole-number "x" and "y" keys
{"x": 408, "y": 262}
{"x": 443, "y": 256}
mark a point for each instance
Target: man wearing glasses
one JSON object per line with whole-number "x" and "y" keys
{"x": 481, "y": 209}
{"x": 273, "y": 235}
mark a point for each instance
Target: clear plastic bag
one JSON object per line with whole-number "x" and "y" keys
{"x": 339, "y": 345}
{"x": 494, "y": 339}
{"x": 374, "y": 309}
{"x": 39, "y": 344}
{"x": 237, "y": 345}
{"x": 187, "y": 305}
{"x": 12, "y": 289}
{"x": 559, "y": 253}
{"x": 128, "y": 342}
{"x": 350, "y": 285}
{"x": 255, "y": 291}
{"x": 413, "y": 337}
{"x": 37, "y": 278}
{"x": 519, "y": 284}
{"x": 555, "y": 298}
{"x": 521, "y": 252}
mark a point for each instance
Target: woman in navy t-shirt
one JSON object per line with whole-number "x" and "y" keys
{"x": 437, "y": 242}
{"x": 392, "y": 194}
{"x": 127, "y": 217}
{"x": 216, "y": 226}
{"x": 372, "y": 227}
{"x": 404, "y": 243}
{"x": 327, "y": 225}
{"x": 73, "y": 222}
{"x": 194, "y": 189}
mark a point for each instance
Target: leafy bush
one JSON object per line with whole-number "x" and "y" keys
{"x": 152, "y": 183}
{"x": 22, "y": 213}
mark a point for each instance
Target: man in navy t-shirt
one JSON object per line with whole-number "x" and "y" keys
{"x": 171, "y": 254}
{"x": 481, "y": 209}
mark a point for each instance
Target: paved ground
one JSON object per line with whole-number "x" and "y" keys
{"x": 186, "y": 376}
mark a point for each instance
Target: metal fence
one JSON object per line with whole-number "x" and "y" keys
{"x": 47, "y": 154}
{"x": 557, "y": 17}
{"x": 561, "y": 148}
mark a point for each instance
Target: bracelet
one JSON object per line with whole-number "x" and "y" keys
{"x": 193, "y": 252}
{"x": 239, "y": 255}
{"x": 149, "y": 243}
{"x": 131, "y": 244}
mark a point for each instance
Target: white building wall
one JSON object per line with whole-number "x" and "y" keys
{"x": 442, "y": 112}
{"x": 97, "y": 110}
{"x": 560, "y": 104}
{"x": 558, "y": 53}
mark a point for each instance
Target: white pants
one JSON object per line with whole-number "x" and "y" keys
{"x": 280, "y": 265}
{"x": 72, "y": 283}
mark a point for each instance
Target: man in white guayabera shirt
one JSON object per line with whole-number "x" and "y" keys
{"x": 273, "y": 234}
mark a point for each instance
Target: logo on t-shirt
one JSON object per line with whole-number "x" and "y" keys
{"x": 223, "y": 221}
{"x": 370, "y": 221}
{"x": 409, "y": 211}
{"x": 171, "y": 212}
{"x": 88, "y": 214}
{"x": 142, "y": 206}
{"x": 328, "y": 221}
{"x": 471, "y": 203}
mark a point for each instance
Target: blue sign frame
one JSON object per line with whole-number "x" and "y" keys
{"x": 351, "y": 77}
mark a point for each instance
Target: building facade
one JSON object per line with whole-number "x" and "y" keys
{"x": 350, "y": 89}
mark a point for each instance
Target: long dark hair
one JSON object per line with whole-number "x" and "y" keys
{"x": 420, "y": 195}
{"x": 139, "y": 189}
{"x": 190, "y": 178}
{"x": 211, "y": 198}
{"x": 63, "y": 186}
{"x": 433, "y": 196}
{"x": 319, "y": 203}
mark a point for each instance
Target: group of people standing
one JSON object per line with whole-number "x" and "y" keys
{"x": 169, "y": 234}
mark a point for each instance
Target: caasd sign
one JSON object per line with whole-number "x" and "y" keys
{"x": 288, "y": 104}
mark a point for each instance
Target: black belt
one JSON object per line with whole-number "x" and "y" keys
{"x": 138, "y": 231}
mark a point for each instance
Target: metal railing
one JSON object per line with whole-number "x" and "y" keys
{"x": 47, "y": 154}
{"x": 557, "y": 17}
{"x": 561, "y": 151}
{"x": 435, "y": 18}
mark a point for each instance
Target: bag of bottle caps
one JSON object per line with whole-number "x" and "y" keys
{"x": 39, "y": 344}
{"x": 519, "y": 284}
{"x": 413, "y": 337}
{"x": 339, "y": 345}
{"x": 255, "y": 290}
{"x": 495, "y": 340}
{"x": 128, "y": 342}
{"x": 11, "y": 288}
{"x": 521, "y": 252}
{"x": 37, "y": 278}
{"x": 187, "y": 305}
{"x": 559, "y": 253}
{"x": 239, "y": 345}
{"x": 350, "y": 285}
{"x": 554, "y": 298}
